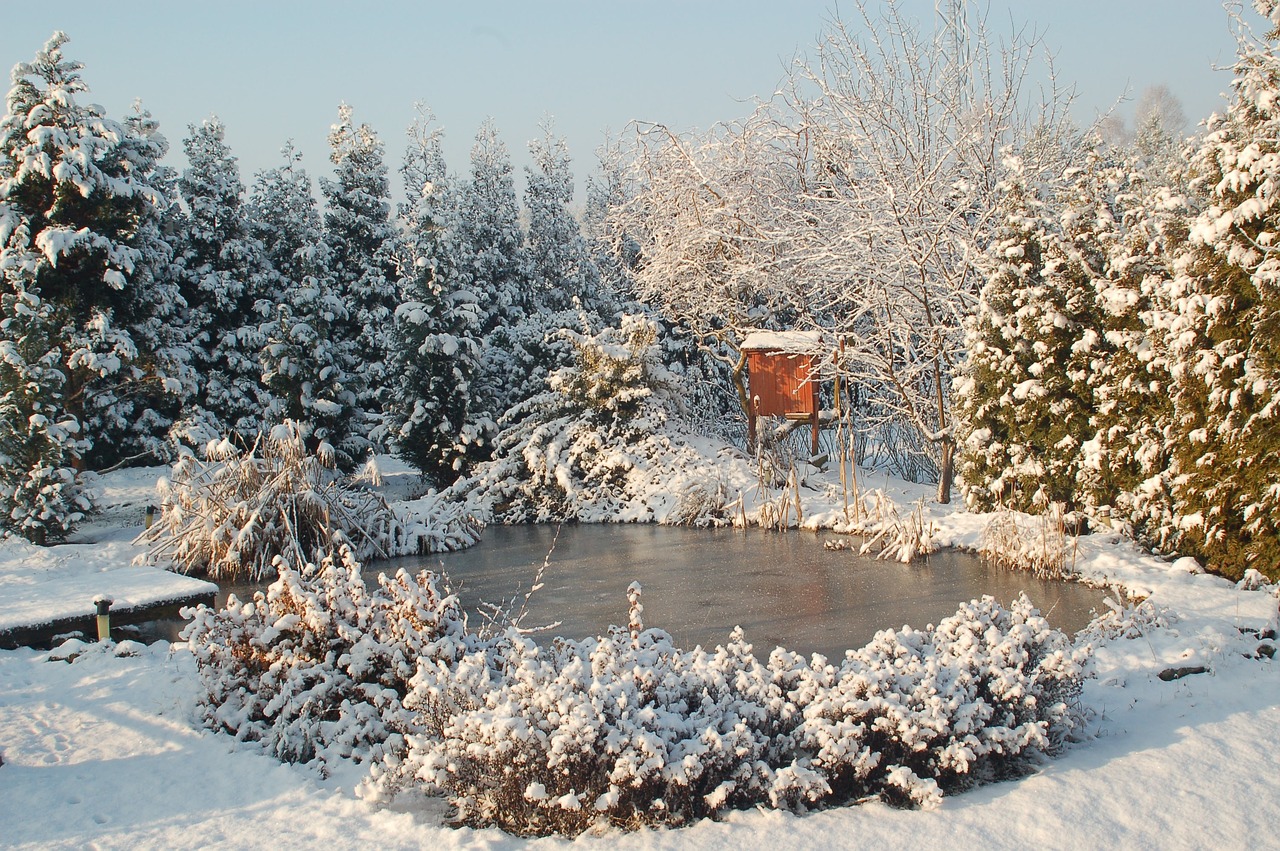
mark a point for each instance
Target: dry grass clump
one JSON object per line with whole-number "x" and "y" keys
{"x": 1039, "y": 544}
{"x": 231, "y": 515}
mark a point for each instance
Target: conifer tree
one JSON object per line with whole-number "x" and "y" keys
{"x": 362, "y": 247}
{"x": 305, "y": 363}
{"x": 612, "y": 253}
{"x": 41, "y": 494}
{"x": 1023, "y": 400}
{"x": 1226, "y": 339}
{"x": 1126, "y": 466}
{"x": 496, "y": 270}
{"x": 561, "y": 270}
{"x": 437, "y": 347}
{"x": 84, "y": 249}
{"x": 224, "y": 278}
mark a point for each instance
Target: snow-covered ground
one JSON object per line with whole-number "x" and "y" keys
{"x": 99, "y": 747}
{"x": 45, "y": 585}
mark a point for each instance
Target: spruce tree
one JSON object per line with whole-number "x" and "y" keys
{"x": 1226, "y": 339}
{"x": 362, "y": 247}
{"x": 496, "y": 272}
{"x": 93, "y": 205}
{"x": 436, "y": 329}
{"x": 305, "y": 363}
{"x": 224, "y": 279}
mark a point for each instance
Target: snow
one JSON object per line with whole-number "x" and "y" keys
{"x": 100, "y": 744}
{"x": 43, "y": 585}
{"x": 793, "y": 342}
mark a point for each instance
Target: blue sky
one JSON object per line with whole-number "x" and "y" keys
{"x": 278, "y": 70}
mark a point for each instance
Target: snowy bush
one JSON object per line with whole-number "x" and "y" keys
{"x": 232, "y": 515}
{"x": 317, "y": 666}
{"x": 1126, "y": 617}
{"x": 599, "y": 444}
{"x": 628, "y": 730}
{"x": 919, "y": 713}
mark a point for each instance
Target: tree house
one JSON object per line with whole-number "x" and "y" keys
{"x": 782, "y": 374}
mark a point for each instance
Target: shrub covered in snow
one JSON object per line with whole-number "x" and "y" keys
{"x": 598, "y": 444}
{"x": 232, "y": 515}
{"x": 629, "y": 730}
{"x": 316, "y": 667}
{"x": 919, "y": 713}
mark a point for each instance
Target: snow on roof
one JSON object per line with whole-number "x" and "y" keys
{"x": 792, "y": 342}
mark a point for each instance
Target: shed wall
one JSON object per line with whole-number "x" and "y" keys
{"x": 778, "y": 384}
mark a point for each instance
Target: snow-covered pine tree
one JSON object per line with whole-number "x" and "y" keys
{"x": 437, "y": 351}
{"x": 92, "y": 199}
{"x": 561, "y": 269}
{"x": 1023, "y": 399}
{"x": 137, "y": 425}
{"x": 564, "y": 283}
{"x": 1226, "y": 340}
{"x": 1127, "y": 461}
{"x": 41, "y": 494}
{"x": 612, "y": 253}
{"x": 362, "y": 248}
{"x": 497, "y": 271}
{"x": 305, "y": 365}
{"x": 225, "y": 281}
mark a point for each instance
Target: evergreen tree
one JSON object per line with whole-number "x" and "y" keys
{"x": 224, "y": 277}
{"x": 437, "y": 347}
{"x": 561, "y": 271}
{"x": 1127, "y": 461}
{"x": 1226, "y": 340}
{"x": 305, "y": 363}
{"x": 135, "y": 421}
{"x": 94, "y": 203}
{"x": 362, "y": 247}
{"x": 41, "y": 494}
{"x": 496, "y": 271}
{"x": 1023, "y": 401}
{"x": 613, "y": 254}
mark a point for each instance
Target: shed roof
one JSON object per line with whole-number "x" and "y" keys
{"x": 791, "y": 342}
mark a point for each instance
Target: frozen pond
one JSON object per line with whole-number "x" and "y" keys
{"x": 782, "y": 588}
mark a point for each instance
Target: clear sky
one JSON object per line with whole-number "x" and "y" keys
{"x": 278, "y": 70}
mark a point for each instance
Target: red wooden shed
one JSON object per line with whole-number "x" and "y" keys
{"x": 782, "y": 374}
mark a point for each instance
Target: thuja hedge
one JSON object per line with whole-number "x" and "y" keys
{"x": 625, "y": 729}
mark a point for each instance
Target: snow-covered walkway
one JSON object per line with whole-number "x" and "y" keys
{"x": 42, "y": 586}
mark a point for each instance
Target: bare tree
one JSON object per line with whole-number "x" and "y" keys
{"x": 909, "y": 129}
{"x": 1158, "y": 104}
{"x": 711, "y": 215}
{"x": 855, "y": 201}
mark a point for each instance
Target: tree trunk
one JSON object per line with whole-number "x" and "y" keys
{"x": 946, "y": 470}
{"x": 740, "y": 386}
